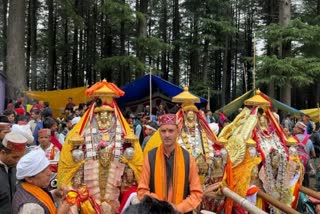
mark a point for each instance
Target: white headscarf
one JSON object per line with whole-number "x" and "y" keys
{"x": 32, "y": 164}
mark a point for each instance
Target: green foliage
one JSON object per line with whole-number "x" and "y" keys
{"x": 114, "y": 63}
{"x": 218, "y": 26}
{"x": 68, "y": 8}
{"x": 300, "y": 71}
{"x": 201, "y": 89}
{"x": 151, "y": 46}
{"x": 140, "y": 16}
{"x": 118, "y": 12}
{"x": 303, "y": 66}
{"x": 297, "y": 31}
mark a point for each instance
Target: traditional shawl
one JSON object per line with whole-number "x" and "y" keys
{"x": 55, "y": 142}
{"x": 41, "y": 195}
{"x": 178, "y": 176}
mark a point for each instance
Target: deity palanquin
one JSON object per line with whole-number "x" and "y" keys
{"x": 97, "y": 153}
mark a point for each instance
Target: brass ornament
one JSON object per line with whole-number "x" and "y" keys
{"x": 236, "y": 148}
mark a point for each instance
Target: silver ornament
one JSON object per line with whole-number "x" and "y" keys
{"x": 77, "y": 155}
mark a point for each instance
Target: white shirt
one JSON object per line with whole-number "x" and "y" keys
{"x": 31, "y": 208}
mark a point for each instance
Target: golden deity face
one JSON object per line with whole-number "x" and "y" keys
{"x": 190, "y": 116}
{"x": 129, "y": 175}
{"x": 217, "y": 167}
{"x": 202, "y": 164}
{"x": 104, "y": 116}
{"x": 217, "y": 162}
{"x": 104, "y": 119}
{"x": 275, "y": 159}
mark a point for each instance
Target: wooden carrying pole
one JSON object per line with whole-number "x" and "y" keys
{"x": 247, "y": 205}
{"x": 276, "y": 203}
{"x": 309, "y": 192}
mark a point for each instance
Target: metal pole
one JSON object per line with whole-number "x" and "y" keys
{"x": 150, "y": 95}
{"x": 254, "y": 62}
{"x": 208, "y": 100}
{"x": 318, "y": 112}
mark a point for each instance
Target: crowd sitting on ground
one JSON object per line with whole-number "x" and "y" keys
{"x": 38, "y": 127}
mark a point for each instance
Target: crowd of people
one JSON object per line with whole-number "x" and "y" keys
{"x": 31, "y": 143}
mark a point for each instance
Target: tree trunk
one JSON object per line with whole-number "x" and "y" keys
{"x": 28, "y": 45}
{"x": 82, "y": 55}
{"x": 163, "y": 29}
{"x": 142, "y": 7}
{"x": 16, "y": 72}
{"x": 273, "y": 6}
{"x": 249, "y": 50}
{"x": 194, "y": 52}
{"x": 124, "y": 75}
{"x": 89, "y": 39}
{"x": 285, "y": 49}
{"x": 225, "y": 72}
{"x": 34, "y": 48}
{"x": 65, "y": 56}
{"x": 74, "y": 66}
{"x": 318, "y": 82}
{"x": 205, "y": 62}
{"x": 81, "y": 42}
{"x": 51, "y": 47}
{"x": 176, "y": 38}
{"x": 94, "y": 39}
{"x": 218, "y": 75}
{"x": 4, "y": 34}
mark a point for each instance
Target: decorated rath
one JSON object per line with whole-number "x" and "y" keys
{"x": 266, "y": 168}
{"x": 101, "y": 159}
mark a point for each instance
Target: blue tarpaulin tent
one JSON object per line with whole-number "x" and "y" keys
{"x": 139, "y": 90}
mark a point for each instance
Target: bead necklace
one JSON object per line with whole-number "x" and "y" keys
{"x": 274, "y": 183}
{"x": 199, "y": 144}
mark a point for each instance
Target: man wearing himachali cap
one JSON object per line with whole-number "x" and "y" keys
{"x": 169, "y": 172}
{"x": 52, "y": 152}
{"x": 31, "y": 197}
{"x": 12, "y": 148}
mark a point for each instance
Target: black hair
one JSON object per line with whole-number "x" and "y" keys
{"x": 4, "y": 119}
{"x": 69, "y": 118}
{"x": 36, "y": 111}
{"x": 153, "y": 124}
{"x": 47, "y": 112}
{"x": 81, "y": 105}
{"x": 260, "y": 110}
{"x": 48, "y": 122}
{"x": 20, "y": 118}
{"x": 17, "y": 104}
{"x": 8, "y": 112}
{"x": 150, "y": 205}
{"x": 98, "y": 102}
